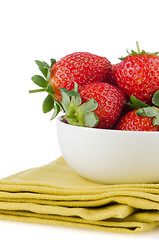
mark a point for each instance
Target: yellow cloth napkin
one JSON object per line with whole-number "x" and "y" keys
{"x": 55, "y": 194}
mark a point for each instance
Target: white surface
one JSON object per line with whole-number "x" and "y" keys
{"x": 110, "y": 156}
{"x": 36, "y": 29}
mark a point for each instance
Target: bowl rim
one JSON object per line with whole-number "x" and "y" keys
{"x": 60, "y": 120}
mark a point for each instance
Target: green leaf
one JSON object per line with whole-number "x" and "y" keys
{"x": 151, "y": 111}
{"x": 48, "y": 74}
{"x": 43, "y": 67}
{"x": 73, "y": 94}
{"x": 148, "y": 111}
{"x": 155, "y": 53}
{"x": 49, "y": 89}
{"x": 64, "y": 90}
{"x": 56, "y": 111}
{"x": 91, "y": 119}
{"x": 60, "y": 105}
{"x": 143, "y": 52}
{"x": 70, "y": 93}
{"x": 46, "y": 65}
{"x": 155, "y": 98}
{"x": 75, "y": 87}
{"x": 48, "y": 104}
{"x": 127, "y": 51}
{"x": 89, "y": 106}
{"x": 156, "y": 120}
{"x": 133, "y": 52}
{"x": 53, "y": 61}
{"x": 65, "y": 98}
{"x": 131, "y": 105}
{"x": 39, "y": 80}
{"x": 77, "y": 100}
{"x": 141, "y": 112}
{"x": 137, "y": 103}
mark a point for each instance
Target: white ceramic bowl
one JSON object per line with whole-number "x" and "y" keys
{"x": 110, "y": 156}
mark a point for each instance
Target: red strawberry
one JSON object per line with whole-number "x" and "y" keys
{"x": 82, "y": 68}
{"x": 133, "y": 122}
{"x": 113, "y": 75}
{"x": 110, "y": 102}
{"x": 138, "y": 74}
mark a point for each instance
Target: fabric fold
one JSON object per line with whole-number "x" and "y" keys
{"x": 55, "y": 194}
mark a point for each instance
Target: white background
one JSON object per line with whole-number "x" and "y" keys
{"x": 36, "y": 29}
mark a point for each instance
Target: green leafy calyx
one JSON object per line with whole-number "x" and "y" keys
{"x": 76, "y": 113}
{"x": 49, "y": 102}
{"x": 145, "y": 110}
{"x": 43, "y": 81}
{"x": 136, "y": 103}
{"x": 138, "y": 52}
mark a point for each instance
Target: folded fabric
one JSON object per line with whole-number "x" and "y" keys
{"x": 55, "y": 194}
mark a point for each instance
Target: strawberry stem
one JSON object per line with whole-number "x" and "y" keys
{"x": 138, "y": 48}
{"x": 37, "y": 90}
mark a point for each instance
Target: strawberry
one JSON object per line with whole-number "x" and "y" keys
{"x": 82, "y": 68}
{"x": 96, "y": 105}
{"x": 138, "y": 74}
{"x": 113, "y": 75}
{"x": 110, "y": 102}
{"x": 143, "y": 117}
{"x": 133, "y": 122}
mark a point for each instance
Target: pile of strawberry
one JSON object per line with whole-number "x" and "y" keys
{"x": 94, "y": 93}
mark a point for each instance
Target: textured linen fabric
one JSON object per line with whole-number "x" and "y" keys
{"x": 55, "y": 194}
